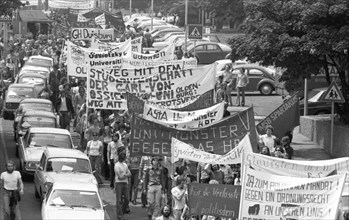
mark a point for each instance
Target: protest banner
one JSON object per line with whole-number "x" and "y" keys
{"x": 136, "y": 45}
{"x": 149, "y": 138}
{"x": 181, "y": 150}
{"x": 168, "y": 88}
{"x": 267, "y": 196}
{"x": 214, "y": 199}
{"x": 77, "y": 4}
{"x": 136, "y": 105}
{"x": 100, "y": 20}
{"x": 296, "y": 168}
{"x": 88, "y": 33}
{"x": 132, "y": 63}
{"x": 184, "y": 119}
{"x": 165, "y": 54}
{"x": 287, "y": 111}
{"x": 76, "y": 60}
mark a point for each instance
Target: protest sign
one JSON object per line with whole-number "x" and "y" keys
{"x": 181, "y": 150}
{"x": 132, "y": 63}
{"x": 76, "y": 60}
{"x": 136, "y": 105}
{"x": 149, "y": 138}
{"x": 77, "y": 4}
{"x": 287, "y": 111}
{"x": 88, "y": 33}
{"x": 168, "y": 88}
{"x": 100, "y": 20}
{"x": 184, "y": 119}
{"x": 136, "y": 45}
{"x": 267, "y": 196}
{"x": 166, "y": 53}
{"x": 214, "y": 199}
{"x": 296, "y": 168}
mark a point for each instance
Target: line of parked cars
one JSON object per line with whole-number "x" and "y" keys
{"x": 62, "y": 174}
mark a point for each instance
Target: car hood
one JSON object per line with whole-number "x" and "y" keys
{"x": 66, "y": 213}
{"x": 34, "y": 153}
{"x": 66, "y": 176}
{"x": 14, "y": 99}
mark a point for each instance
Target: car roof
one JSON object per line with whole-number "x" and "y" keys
{"x": 21, "y": 85}
{"x": 49, "y": 130}
{"x": 35, "y": 67}
{"x": 78, "y": 186}
{"x": 64, "y": 152}
{"x": 248, "y": 65}
{"x": 36, "y": 100}
{"x": 40, "y": 57}
{"x": 39, "y": 113}
{"x": 38, "y": 75}
{"x": 205, "y": 43}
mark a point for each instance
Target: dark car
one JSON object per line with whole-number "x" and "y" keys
{"x": 208, "y": 52}
{"x": 315, "y": 107}
{"x": 261, "y": 79}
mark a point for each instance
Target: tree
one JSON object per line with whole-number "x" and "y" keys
{"x": 8, "y": 6}
{"x": 301, "y": 36}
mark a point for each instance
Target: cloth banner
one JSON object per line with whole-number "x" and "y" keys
{"x": 136, "y": 105}
{"x": 136, "y": 45}
{"x": 132, "y": 63}
{"x": 100, "y": 20}
{"x": 268, "y": 196}
{"x": 88, "y": 33}
{"x": 164, "y": 54}
{"x": 149, "y": 138}
{"x": 219, "y": 200}
{"x": 81, "y": 18}
{"x": 170, "y": 88}
{"x": 181, "y": 150}
{"x": 76, "y": 4}
{"x": 286, "y": 112}
{"x": 184, "y": 119}
{"x": 297, "y": 168}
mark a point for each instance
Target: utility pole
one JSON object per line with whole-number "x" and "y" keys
{"x": 130, "y": 8}
{"x": 186, "y": 25}
{"x": 152, "y": 13}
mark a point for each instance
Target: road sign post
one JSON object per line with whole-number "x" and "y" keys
{"x": 332, "y": 94}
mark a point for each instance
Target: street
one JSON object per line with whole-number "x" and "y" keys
{"x": 31, "y": 207}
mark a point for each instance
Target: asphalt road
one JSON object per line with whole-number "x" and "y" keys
{"x": 31, "y": 207}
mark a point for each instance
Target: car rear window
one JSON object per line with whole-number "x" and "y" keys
{"x": 40, "y": 121}
{"x": 42, "y": 62}
{"x": 37, "y": 106}
{"x": 32, "y": 80}
{"x": 20, "y": 92}
{"x": 58, "y": 164}
{"x": 50, "y": 140}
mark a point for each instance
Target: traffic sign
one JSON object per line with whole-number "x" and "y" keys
{"x": 5, "y": 18}
{"x": 194, "y": 31}
{"x": 332, "y": 94}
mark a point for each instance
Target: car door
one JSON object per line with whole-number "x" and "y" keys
{"x": 22, "y": 145}
{"x": 200, "y": 52}
{"x": 213, "y": 53}
{"x": 254, "y": 76}
{"x": 39, "y": 176}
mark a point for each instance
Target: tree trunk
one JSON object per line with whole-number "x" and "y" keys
{"x": 219, "y": 24}
{"x": 344, "y": 111}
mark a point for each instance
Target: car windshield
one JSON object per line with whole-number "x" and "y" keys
{"x": 37, "y": 121}
{"x": 37, "y": 106}
{"x": 40, "y": 62}
{"x": 50, "y": 140}
{"x": 42, "y": 72}
{"x": 21, "y": 92}
{"x": 68, "y": 164}
{"x": 75, "y": 198}
{"x": 32, "y": 80}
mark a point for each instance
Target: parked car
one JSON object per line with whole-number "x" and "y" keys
{"x": 220, "y": 65}
{"x": 208, "y": 52}
{"x": 45, "y": 71}
{"x": 14, "y": 95}
{"x": 30, "y": 104}
{"x": 168, "y": 35}
{"x": 163, "y": 32}
{"x": 212, "y": 37}
{"x": 72, "y": 200}
{"x": 32, "y": 144}
{"x": 38, "y": 60}
{"x": 32, "y": 78}
{"x": 35, "y": 118}
{"x": 260, "y": 78}
{"x": 160, "y": 27}
{"x": 56, "y": 164}
{"x": 315, "y": 107}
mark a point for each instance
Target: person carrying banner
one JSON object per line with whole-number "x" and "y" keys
{"x": 241, "y": 83}
{"x": 154, "y": 184}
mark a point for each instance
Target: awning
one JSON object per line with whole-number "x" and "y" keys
{"x": 33, "y": 16}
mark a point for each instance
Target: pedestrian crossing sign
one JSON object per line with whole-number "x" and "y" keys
{"x": 195, "y": 31}
{"x": 332, "y": 94}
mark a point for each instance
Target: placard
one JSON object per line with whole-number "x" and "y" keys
{"x": 132, "y": 63}
{"x": 88, "y": 33}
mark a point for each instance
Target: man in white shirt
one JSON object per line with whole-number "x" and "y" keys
{"x": 179, "y": 197}
{"x": 11, "y": 181}
{"x": 268, "y": 138}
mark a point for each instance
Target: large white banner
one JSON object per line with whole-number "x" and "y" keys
{"x": 76, "y": 4}
{"x": 165, "y": 54}
{"x": 181, "y": 150}
{"x": 184, "y": 119}
{"x": 88, "y": 33}
{"x": 136, "y": 44}
{"x": 268, "y": 196}
{"x": 76, "y": 60}
{"x": 132, "y": 63}
{"x": 296, "y": 168}
{"x": 169, "y": 88}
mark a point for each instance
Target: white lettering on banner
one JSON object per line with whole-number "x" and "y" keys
{"x": 136, "y": 45}
{"x": 185, "y": 63}
{"x": 184, "y": 119}
{"x": 166, "y": 53}
{"x": 88, "y": 33}
{"x": 181, "y": 150}
{"x": 268, "y": 196}
{"x": 119, "y": 104}
{"x": 166, "y": 88}
{"x": 297, "y": 168}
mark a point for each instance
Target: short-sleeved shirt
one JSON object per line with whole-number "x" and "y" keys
{"x": 120, "y": 170}
{"x": 94, "y": 147}
{"x": 268, "y": 141}
{"x": 11, "y": 179}
{"x": 178, "y": 204}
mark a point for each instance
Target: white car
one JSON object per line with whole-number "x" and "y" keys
{"x": 221, "y": 65}
{"x": 38, "y": 60}
{"x": 57, "y": 165}
{"x": 72, "y": 200}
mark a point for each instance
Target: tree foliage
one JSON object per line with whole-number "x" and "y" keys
{"x": 301, "y": 36}
{"x": 7, "y": 6}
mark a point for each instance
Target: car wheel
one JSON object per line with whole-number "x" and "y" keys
{"x": 266, "y": 89}
{"x": 37, "y": 195}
